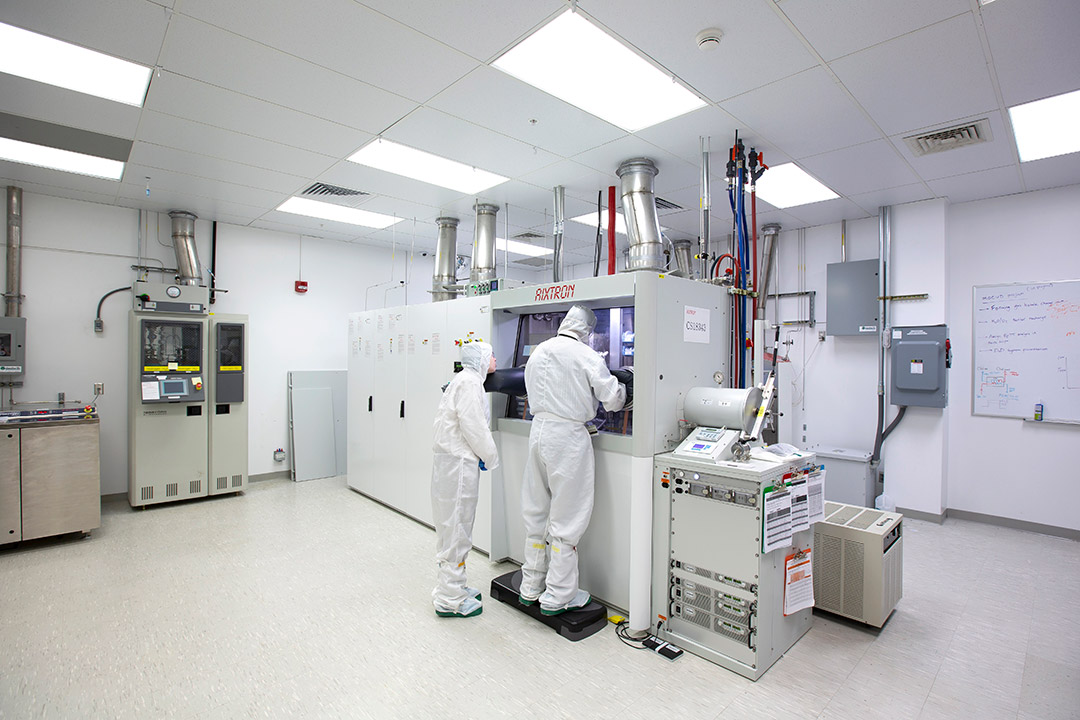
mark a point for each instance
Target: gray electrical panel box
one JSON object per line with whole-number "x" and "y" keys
{"x": 919, "y": 361}
{"x": 851, "y": 298}
{"x": 12, "y": 350}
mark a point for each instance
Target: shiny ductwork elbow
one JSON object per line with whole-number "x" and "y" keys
{"x": 189, "y": 271}
{"x": 684, "y": 259}
{"x": 639, "y": 210}
{"x": 771, "y": 232}
{"x": 444, "y": 277}
{"x": 483, "y": 256}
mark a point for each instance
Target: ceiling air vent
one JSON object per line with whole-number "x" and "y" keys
{"x": 662, "y": 204}
{"x": 333, "y": 190}
{"x": 528, "y": 235}
{"x": 537, "y": 262}
{"x": 950, "y": 138}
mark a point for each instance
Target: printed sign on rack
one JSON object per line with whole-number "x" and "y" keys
{"x": 695, "y": 325}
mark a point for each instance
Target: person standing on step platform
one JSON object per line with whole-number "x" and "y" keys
{"x": 564, "y": 379}
{"x": 463, "y": 447}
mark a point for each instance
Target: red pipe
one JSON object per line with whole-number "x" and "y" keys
{"x": 753, "y": 224}
{"x": 611, "y": 230}
{"x": 734, "y": 262}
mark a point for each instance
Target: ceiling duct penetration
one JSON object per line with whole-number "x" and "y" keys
{"x": 336, "y": 194}
{"x": 444, "y": 277}
{"x": 187, "y": 253}
{"x": 483, "y": 255}
{"x": 950, "y": 138}
{"x": 639, "y": 210}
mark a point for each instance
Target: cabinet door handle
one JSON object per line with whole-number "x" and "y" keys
{"x": 369, "y": 397}
{"x": 402, "y": 408}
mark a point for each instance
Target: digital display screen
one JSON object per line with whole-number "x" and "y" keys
{"x": 173, "y": 387}
{"x": 699, "y": 446}
{"x": 710, "y": 435}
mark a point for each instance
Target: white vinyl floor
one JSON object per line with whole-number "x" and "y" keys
{"x": 309, "y": 600}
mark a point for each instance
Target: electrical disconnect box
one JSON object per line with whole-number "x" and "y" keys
{"x": 919, "y": 361}
{"x": 851, "y": 298}
{"x": 12, "y": 352}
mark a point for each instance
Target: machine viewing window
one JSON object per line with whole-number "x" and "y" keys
{"x": 613, "y": 339}
{"x": 165, "y": 342}
{"x": 5, "y": 345}
{"x": 230, "y": 346}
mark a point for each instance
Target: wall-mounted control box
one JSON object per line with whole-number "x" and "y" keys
{"x": 12, "y": 347}
{"x": 918, "y": 366}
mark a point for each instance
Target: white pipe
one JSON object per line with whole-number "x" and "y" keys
{"x": 641, "y": 510}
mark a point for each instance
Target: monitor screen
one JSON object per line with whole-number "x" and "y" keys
{"x": 173, "y": 387}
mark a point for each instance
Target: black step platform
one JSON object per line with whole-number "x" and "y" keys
{"x": 573, "y": 625}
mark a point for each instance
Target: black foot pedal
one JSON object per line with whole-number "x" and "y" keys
{"x": 573, "y": 625}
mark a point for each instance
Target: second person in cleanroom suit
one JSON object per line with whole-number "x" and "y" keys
{"x": 463, "y": 447}
{"x": 565, "y": 379}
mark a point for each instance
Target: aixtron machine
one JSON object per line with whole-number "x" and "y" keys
{"x": 187, "y": 396}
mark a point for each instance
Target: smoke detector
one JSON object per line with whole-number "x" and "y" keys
{"x": 709, "y": 39}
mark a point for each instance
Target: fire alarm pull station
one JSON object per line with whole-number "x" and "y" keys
{"x": 301, "y": 286}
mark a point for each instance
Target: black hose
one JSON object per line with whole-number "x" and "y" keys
{"x": 102, "y": 300}
{"x": 883, "y": 434}
{"x": 894, "y": 423}
{"x": 596, "y": 250}
{"x": 880, "y": 424}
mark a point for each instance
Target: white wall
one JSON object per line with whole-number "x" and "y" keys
{"x": 997, "y": 466}
{"x": 74, "y": 252}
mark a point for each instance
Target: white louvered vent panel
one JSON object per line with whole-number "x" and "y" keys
{"x": 950, "y": 138}
{"x": 853, "y": 578}
{"x": 827, "y": 575}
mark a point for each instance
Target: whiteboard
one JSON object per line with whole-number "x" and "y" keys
{"x": 1027, "y": 350}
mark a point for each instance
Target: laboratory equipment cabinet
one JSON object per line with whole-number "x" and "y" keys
{"x": 50, "y": 481}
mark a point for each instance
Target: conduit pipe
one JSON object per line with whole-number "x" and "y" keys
{"x": 639, "y": 211}
{"x": 771, "y": 233}
{"x": 187, "y": 254}
{"x": 444, "y": 275}
{"x": 884, "y": 250}
{"x": 483, "y": 256}
{"x": 13, "y": 294}
{"x": 706, "y": 203}
{"x": 557, "y": 233}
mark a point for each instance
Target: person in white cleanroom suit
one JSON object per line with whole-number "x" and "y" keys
{"x": 564, "y": 379}
{"x": 463, "y": 447}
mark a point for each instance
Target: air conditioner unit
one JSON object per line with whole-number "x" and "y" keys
{"x": 858, "y": 562}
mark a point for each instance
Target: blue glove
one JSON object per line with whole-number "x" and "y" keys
{"x": 482, "y": 466}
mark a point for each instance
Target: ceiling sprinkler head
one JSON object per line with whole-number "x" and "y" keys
{"x": 709, "y": 39}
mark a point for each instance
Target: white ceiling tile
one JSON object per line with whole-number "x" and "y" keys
{"x": 167, "y": 181}
{"x": 924, "y": 78}
{"x": 871, "y": 166}
{"x": 299, "y": 225}
{"x": 344, "y": 36}
{"x": 1052, "y": 172}
{"x": 1033, "y": 44}
{"x": 871, "y": 201}
{"x": 674, "y": 172}
{"x": 204, "y": 52}
{"x": 978, "y": 185}
{"x": 128, "y": 29}
{"x": 742, "y": 61}
{"x": 379, "y": 182}
{"x": 480, "y": 28}
{"x": 829, "y": 211}
{"x": 203, "y": 166}
{"x": 864, "y": 23}
{"x": 456, "y": 139}
{"x": 67, "y": 107}
{"x": 495, "y": 100}
{"x": 206, "y": 208}
{"x": 581, "y": 182}
{"x": 167, "y": 130}
{"x": 805, "y": 114}
{"x": 204, "y": 103}
{"x": 58, "y": 184}
{"x": 998, "y": 151}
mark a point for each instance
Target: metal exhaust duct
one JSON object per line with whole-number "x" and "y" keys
{"x": 13, "y": 296}
{"x": 639, "y": 211}
{"x": 684, "y": 259}
{"x": 771, "y": 232}
{"x": 445, "y": 272}
{"x": 483, "y": 255}
{"x": 187, "y": 254}
{"x": 560, "y": 221}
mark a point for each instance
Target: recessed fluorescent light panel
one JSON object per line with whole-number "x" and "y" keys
{"x": 54, "y": 159}
{"x": 581, "y": 64}
{"x": 337, "y": 213}
{"x": 425, "y": 167}
{"x": 1047, "y": 128}
{"x": 47, "y": 60}
{"x": 590, "y": 220}
{"x": 788, "y": 185}
{"x": 519, "y": 248}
